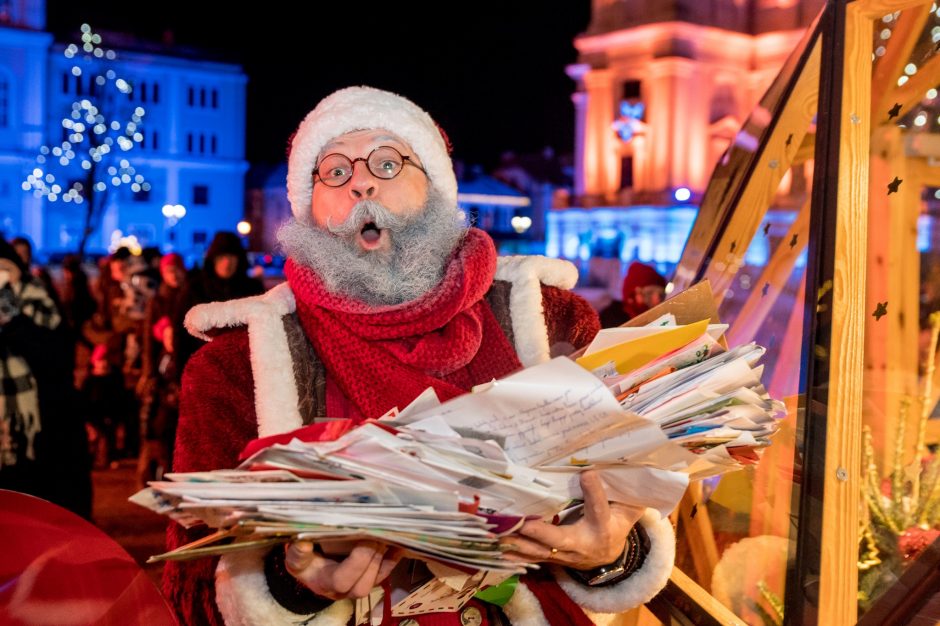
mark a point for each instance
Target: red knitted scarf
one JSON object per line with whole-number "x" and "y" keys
{"x": 379, "y": 357}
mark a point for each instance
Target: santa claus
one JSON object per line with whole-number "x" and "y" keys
{"x": 389, "y": 292}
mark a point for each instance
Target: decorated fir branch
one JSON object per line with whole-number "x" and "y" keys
{"x": 774, "y": 617}
{"x": 901, "y": 513}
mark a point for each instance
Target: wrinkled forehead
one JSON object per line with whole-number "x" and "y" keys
{"x": 364, "y": 140}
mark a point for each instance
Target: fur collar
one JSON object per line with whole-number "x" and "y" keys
{"x": 276, "y": 397}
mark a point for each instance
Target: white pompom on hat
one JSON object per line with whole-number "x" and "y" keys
{"x": 366, "y": 108}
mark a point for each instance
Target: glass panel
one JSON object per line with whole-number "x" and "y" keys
{"x": 736, "y": 165}
{"x": 735, "y": 538}
{"x": 901, "y": 509}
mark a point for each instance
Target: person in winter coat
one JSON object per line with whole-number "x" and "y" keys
{"x": 43, "y": 448}
{"x": 389, "y": 292}
{"x": 223, "y": 277}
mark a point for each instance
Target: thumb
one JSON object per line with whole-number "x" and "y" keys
{"x": 298, "y": 555}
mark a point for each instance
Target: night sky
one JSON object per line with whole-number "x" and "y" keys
{"x": 490, "y": 72}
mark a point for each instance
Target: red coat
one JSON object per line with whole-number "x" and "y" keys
{"x": 220, "y": 413}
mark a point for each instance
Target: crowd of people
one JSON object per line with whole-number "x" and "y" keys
{"x": 91, "y": 367}
{"x": 388, "y": 292}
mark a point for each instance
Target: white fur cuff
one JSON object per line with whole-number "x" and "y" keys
{"x": 524, "y": 609}
{"x": 642, "y": 585}
{"x": 242, "y": 594}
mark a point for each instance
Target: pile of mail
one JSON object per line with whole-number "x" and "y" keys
{"x": 648, "y": 408}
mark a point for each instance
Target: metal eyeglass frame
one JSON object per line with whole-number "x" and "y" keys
{"x": 405, "y": 160}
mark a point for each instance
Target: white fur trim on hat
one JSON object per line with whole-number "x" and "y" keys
{"x": 365, "y": 108}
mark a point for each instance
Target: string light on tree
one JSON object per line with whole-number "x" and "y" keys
{"x": 99, "y": 130}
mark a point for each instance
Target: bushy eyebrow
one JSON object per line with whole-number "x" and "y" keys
{"x": 331, "y": 146}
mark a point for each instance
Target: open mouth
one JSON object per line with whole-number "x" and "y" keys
{"x": 370, "y": 236}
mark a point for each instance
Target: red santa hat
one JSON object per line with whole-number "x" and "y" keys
{"x": 366, "y": 108}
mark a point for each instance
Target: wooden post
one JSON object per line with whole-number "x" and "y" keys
{"x": 891, "y": 340}
{"x": 838, "y": 588}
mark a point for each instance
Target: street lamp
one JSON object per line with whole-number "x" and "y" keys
{"x": 173, "y": 214}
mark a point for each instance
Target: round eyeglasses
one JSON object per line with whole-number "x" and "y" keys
{"x": 385, "y": 162}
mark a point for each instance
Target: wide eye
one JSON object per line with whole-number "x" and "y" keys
{"x": 385, "y": 162}
{"x": 335, "y": 168}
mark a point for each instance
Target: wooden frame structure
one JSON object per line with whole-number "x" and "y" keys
{"x": 837, "y": 103}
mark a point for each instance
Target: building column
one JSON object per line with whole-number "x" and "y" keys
{"x": 677, "y": 124}
{"x": 600, "y": 156}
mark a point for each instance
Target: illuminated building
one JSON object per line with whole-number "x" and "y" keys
{"x": 662, "y": 89}
{"x": 191, "y": 147}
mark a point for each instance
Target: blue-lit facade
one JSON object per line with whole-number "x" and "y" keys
{"x": 192, "y": 151}
{"x": 662, "y": 90}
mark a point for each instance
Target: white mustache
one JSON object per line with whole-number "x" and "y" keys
{"x": 364, "y": 212}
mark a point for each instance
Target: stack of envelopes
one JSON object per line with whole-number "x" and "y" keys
{"x": 648, "y": 407}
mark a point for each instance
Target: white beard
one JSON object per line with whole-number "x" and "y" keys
{"x": 421, "y": 246}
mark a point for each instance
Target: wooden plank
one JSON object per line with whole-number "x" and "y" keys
{"x": 911, "y": 93}
{"x": 807, "y": 150}
{"x": 704, "y": 601}
{"x": 893, "y": 270}
{"x": 923, "y": 172}
{"x": 890, "y": 66}
{"x": 697, "y": 531}
{"x": 761, "y": 188}
{"x": 786, "y": 380}
{"x": 876, "y": 9}
{"x": 774, "y": 276}
{"x": 838, "y": 587}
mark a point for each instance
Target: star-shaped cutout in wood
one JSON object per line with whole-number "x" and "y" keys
{"x": 734, "y": 244}
{"x": 789, "y": 139}
{"x": 894, "y": 184}
{"x": 693, "y": 511}
{"x": 880, "y": 310}
{"x": 764, "y": 290}
{"x": 894, "y": 111}
{"x": 766, "y": 229}
{"x": 793, "y": 240}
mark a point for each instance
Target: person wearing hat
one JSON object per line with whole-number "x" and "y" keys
{"x": 223, "y": 277}
{"x": 388, "y": 292}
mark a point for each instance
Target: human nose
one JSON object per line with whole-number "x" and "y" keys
{"x": 362, "y": 184}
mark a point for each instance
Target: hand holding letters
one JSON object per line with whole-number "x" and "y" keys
{"x": 472, "y": 482}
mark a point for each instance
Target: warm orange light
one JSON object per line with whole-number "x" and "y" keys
{"x": 243, "y": 228}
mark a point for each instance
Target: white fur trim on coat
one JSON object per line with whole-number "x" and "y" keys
{"x": 243, "y": 597}
{"x": 525, "y": 300}
{"x": 642, "y": 585}
{"x": 524, "y": 609}
{"x": 365, "y": 108}
{"x": 276, "y": 397}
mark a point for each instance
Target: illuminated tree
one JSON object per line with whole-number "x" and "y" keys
{"x": 100, "y": 128}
